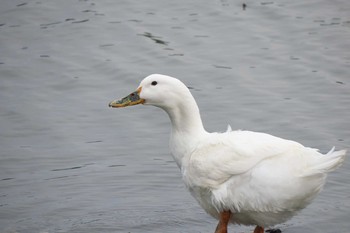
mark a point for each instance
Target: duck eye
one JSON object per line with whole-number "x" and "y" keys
{"x": 154, "y": 83}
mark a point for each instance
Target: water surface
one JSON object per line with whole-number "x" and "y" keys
{"x": 68, "y": 163}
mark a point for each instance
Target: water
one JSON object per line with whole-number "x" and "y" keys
{"x": 68, "y": 163}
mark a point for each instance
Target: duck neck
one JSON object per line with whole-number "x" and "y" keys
{"x": 187, "y": 129}
{"x": 186, "y": 120}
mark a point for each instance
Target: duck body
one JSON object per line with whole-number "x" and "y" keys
{"x": 257, "y": 178}
{"x": 263, "y": 184}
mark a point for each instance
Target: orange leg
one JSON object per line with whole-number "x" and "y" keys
{"x": 259, "y": 229}
{"x": 223, "y": 222}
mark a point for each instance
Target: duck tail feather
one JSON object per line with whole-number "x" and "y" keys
{"x": 327, "y": 163}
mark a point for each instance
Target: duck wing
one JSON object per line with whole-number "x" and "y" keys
{"x": 223, "y": 155}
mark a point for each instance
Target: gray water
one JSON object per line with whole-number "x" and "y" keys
{"x": 68, "y": 163}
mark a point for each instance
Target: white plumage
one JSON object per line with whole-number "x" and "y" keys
{"x": 257, "y": 178}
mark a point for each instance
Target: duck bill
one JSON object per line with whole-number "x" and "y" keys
{"x": 132, "y": 99}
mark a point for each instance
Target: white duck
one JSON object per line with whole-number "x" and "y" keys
{"x": 240, "y": 177}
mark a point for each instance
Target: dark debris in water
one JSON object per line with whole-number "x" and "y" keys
{"x": 156, "y": 39}
{"x": 117, "y": 165}
{"x": 87, "y": 11}
{"x": 339, "y": 82}
{"x": 9, "y": 178}
{"x": 56, "y": 178}
{"x": 44, "y": 25}
{"x": 222, "y": 67}
{"x": 65, "y": 169}
{"x": 22, "y": 4}
{"x": 96, "y": 141}
{"x": 135, "y": 20}
{"x": 106, "y": 45}
{"x": 81, "y": 21}
{"x": 193, "y": 88}
{"x": 274, "y": 231}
